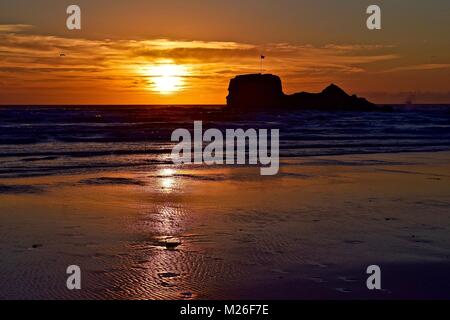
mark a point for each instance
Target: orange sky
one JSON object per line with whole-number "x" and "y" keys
{"x": 128, "y": 63}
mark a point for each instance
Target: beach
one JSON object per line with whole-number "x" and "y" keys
{"x": 309, "y": 232}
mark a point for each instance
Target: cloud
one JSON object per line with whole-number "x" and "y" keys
{"x": 50, "y": 52}
{"x": 420, "y": 67}
{"x": 32, "y": 62}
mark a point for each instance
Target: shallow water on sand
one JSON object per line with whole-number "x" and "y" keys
{"x": 309, "y": 232}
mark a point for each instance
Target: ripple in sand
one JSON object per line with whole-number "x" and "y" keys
{"x": 423, "y": 241}
{"x": 139, "y": 267}
{"x": 353, "y": 241}
{"x": 317, "y": 280}
{"x": 168, "y": 275}
{"x": 320, "y": 265}
{"x": 166, "y": 284}
{"x": 279, "y": 271}
{"x": 70, "y": 235}
{"x": 343, "y": 290}
{"x": 432, "y": 228}
{"x": 71, "y": 227}
{"x": 346, "y": 279}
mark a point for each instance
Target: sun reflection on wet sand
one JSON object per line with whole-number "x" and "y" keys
{"x": 167, "y": 180}
{"x": 166, "y": 260}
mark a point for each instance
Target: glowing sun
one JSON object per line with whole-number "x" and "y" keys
{"x": 167, "y": 77}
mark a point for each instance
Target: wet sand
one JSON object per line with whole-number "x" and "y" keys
{"x": 308, "y": 233}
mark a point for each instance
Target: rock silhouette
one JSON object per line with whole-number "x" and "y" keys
{"x": 264, "y": 91}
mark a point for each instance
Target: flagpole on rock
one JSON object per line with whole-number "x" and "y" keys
{"x": 262, "y": 58}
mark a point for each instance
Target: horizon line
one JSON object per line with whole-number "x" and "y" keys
{"x": 182, "y": 105}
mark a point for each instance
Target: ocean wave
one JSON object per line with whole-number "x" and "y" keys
{"x": 54, "y": 140}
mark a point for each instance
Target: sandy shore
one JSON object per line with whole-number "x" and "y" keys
{"x": 309, "y": 232}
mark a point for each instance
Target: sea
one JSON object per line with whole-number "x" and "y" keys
{"x": 49, "y": 140}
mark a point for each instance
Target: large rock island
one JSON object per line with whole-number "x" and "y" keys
{"x": 264, "y": 91}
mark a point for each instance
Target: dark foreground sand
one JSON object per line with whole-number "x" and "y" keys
{"x": 308, "y": 233}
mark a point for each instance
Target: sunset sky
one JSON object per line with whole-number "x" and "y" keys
{"x": 185, "y": 51}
